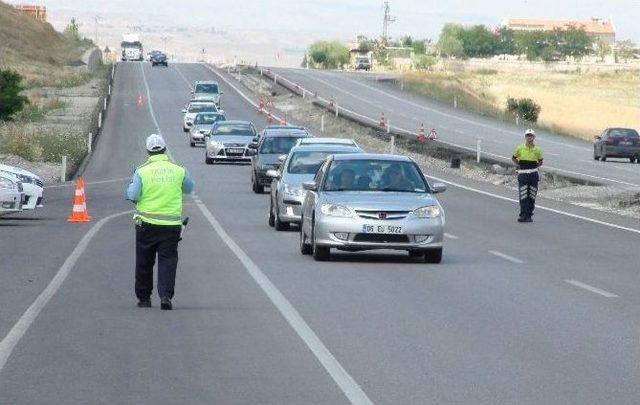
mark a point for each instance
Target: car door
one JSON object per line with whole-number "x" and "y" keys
{"x": 602, "y": 142}
{"x": 311, "y": 197}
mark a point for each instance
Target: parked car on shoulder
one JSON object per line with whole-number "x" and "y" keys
{"x": 229, "y": 141}
{"x": 270, "y": 151}
{"x": 194, "y": 108}
{"x": 33, "y": 187}
{"x": 11, "y": 194}
{"x": 202, "y": 125}
{"x": 617, "y": 143}
{"x": 372, "y": 201}
{"x": 301, "y": 165}
{"x": 362, "y": 63}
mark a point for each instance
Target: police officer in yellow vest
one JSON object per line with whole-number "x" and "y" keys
{"x": 157, "y": 188}
{"x": 528, "y": 157}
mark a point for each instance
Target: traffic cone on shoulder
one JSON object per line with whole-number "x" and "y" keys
{"x": 269, "y": 118}
{"x": 383, "y": 122}
{"x": 79, "y": 212}
{"x": 422, "y": 136}
{"x": 140, "y": 102}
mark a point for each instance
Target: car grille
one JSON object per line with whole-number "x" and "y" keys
{"x": 380, "y": 238}
{"x": 385, "y": 215}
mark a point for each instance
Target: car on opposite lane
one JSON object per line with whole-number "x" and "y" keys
{"x": 229, "y": 141}
{"x": 617, "y": 143}
{"x": 202, "y": 125}
{"x": 301, "y": 165}
{"x": 194, "y": 108}
{"x": 33, "y": 187}
{"x": 269, "y": 152}
{"x": 11, "y": 194}
{"x": 372, "y": 201}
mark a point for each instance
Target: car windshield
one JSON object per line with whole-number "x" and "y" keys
{"x": 307, "y": 162}
{"x": 197, "y": 108}
{"x": 623, "y": 133}
{"x": 208, "y": 119}
{"x": 207, "y": 88}
{"x": 280, "y": 145}
{"x": 374, "y": 175}
{"x": 234, "y": 129}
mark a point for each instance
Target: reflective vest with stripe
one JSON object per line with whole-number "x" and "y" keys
{"x": 160, "y": 201}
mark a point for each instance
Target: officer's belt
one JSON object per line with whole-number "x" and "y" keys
{"x": 159, "y": 217}
{"x": 527, "y": 171}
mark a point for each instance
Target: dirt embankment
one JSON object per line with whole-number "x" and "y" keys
{"x": 624, "y": 201}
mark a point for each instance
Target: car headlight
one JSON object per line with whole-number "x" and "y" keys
{"x": 8, "y": 184}
{"x": 430, "y": 211}
{"x": 335, "y": 210}
{"x": 215, "y": 144}
{"x": 293, "y": 191}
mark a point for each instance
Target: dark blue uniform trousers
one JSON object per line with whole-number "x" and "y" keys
{"x": 528, "y": 189}
{"x": 152, "y": 240}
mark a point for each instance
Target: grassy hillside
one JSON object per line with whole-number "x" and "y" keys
{"x": 37, "y": 51}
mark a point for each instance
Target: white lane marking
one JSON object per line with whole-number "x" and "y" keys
{"x": 541, "y": 207}
{"x": 29, "y": 316}
{"x": 591, "y": 288}
{"x": 506, "y": 257}
{"x": 473, "y": 149}
{"x": 450, "y": 236}
{"x": 347, "y": 384}
{"x": 88, "y": 183}
{"x": 149, "y": 103}
{"x": 183, "y": 76}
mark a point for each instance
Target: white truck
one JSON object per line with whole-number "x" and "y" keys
{"x": 131, "y": 48}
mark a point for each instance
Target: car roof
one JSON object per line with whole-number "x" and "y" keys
{"x": 285, "y": 127}
{"x": 17, "y": 170}
{"x": 237, "y": 122}
{"x": 296, "y": 133}
{"x": 206, "y": 82}
{"x": 326, "y": 148}
{"x": 326, "y": 141}
{"x": 201, "y": 101}
{"x": 373, "y": 156}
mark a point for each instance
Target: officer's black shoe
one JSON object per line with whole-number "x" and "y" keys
{"x": 165, "y": 304}
{"x": 528, "y": 219}
{"x": 521, "y": 219}
{"x": 144, "y": 303}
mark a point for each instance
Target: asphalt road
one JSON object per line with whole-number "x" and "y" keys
{"x": 364, "y": 95}
{"x": 517, "y": 313}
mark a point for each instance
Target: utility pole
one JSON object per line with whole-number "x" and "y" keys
{"x": 385, "y": 23}
{"x": 96, "y": 19}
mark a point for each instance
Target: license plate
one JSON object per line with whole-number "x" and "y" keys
{"x": 625, "y": 143}
{"x": 385, "y": 229}
{"x": 235, "y": 150}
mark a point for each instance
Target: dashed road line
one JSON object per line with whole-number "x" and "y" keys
{"x": 591, "y": 288}
{"x": 506, "y": 257}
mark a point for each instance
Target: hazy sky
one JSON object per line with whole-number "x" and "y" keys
{"x": 345, "y": 18}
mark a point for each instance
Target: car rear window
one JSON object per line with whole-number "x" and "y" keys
{"x": 207, "y": 119}
{"x": 280, "y": 145}
{"x": 197, "y": 108}
{"x": 623, "y": 133}
{"x": 207, "y": 88}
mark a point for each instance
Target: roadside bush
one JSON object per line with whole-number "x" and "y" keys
{"x": 425, "y": 62}
{"x": 525, "y": 108}
{"x": 30, "y": 143}
{"x": 328, "y": 55}
{"x": 11, "y": 101}
{"x": 68, "y": 144}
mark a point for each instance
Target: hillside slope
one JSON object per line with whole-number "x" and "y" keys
{"x": 36, "y": 50}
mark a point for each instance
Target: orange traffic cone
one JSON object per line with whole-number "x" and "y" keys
{"x": 269, "y": 118}
{"x": 140, "y": 102}
{"x": 79, "y": 212}
{"x": 422, "y": 136}
{"x": 383, "y": 122}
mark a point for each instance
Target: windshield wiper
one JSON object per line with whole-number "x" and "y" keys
{"x": 398, "y": 190}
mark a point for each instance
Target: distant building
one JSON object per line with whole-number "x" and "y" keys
{"x": 597, "y": 28}
{"x": 37, "y": 12}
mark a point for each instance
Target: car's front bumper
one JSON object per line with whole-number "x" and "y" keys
{"x": 431, "y": 230}
{"x": 225, "y": 153}
{"x": 290, "y": 208}
{"x": 197, "y": 137}
{"x": 32, "y": 196}
{"x": 10, "y": 202}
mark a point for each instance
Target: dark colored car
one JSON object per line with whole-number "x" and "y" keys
{"x": 617, "y": 143}
{"x": 271, "y": 145}
{"x": 159, "y": 58}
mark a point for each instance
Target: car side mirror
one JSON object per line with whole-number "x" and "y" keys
{"x": 184, "y": 110}
{"x": 310, "y": 186}
{"x": 597, "y": 137}
{"x": 437, "y": 188}
{"x": 253, "y": 145}
{"x": 273, "y": 174}
{"x": 282, "y": 158}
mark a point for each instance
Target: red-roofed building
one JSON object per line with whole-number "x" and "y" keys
{"x": 597, "y": 28}
{"x": 37, "y": 12}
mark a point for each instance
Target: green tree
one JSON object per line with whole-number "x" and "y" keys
{"x": 575, "y": 42}
{"x": 328, "y": 54}
{"x": 449, "y": 43}
{"x": 420, "y": 46}
{"x": 530, "y": 43}
{"x": 505, "y": 44}
{"x": 11, "y": 101}
{"x": 478, "y": 42}
{"x": 602, "y": 50}
{"x": 72, "y": 31}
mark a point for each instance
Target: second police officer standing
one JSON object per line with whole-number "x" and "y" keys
{"x": 528, "y": 157}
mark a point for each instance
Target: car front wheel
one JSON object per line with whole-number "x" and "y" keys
{"x": 305, "y": 248}
{"x": 433, "y": 255}
{"x": 320, "y": 253}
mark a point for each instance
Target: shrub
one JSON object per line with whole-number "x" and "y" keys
{"x": 32, "y": 144}
{"x": 525, "y": 108}
{"x": 425, "y": 62}
{"x": 328, "y": 55}
{"x": 11, "y": 101}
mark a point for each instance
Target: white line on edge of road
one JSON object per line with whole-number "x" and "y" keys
{"x": 450, "y": 236}
{"x": 591, "y": 288}
{"x": 149, "y": 104}
{"x": 343, "y": 379}
{"x": 506, "y": 257}
{"x": 29, "y": 316}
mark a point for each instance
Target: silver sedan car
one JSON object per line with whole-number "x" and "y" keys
{"x": 372, "y": 201}
{"x": 229, "y": 141}
{"x": 201, "y": 128}
{"x": 300, "y": 166}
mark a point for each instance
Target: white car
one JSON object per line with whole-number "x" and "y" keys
{"x": 10, "y": 194}
{"x": 33, "y": 187}
{"x": 194, "y": 108}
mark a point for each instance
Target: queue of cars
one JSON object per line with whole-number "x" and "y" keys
{"x": 339, "y": 196}
{"x": 19, "y": 190}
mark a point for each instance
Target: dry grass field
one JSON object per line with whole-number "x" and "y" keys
{"x": 575, "y": 104}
